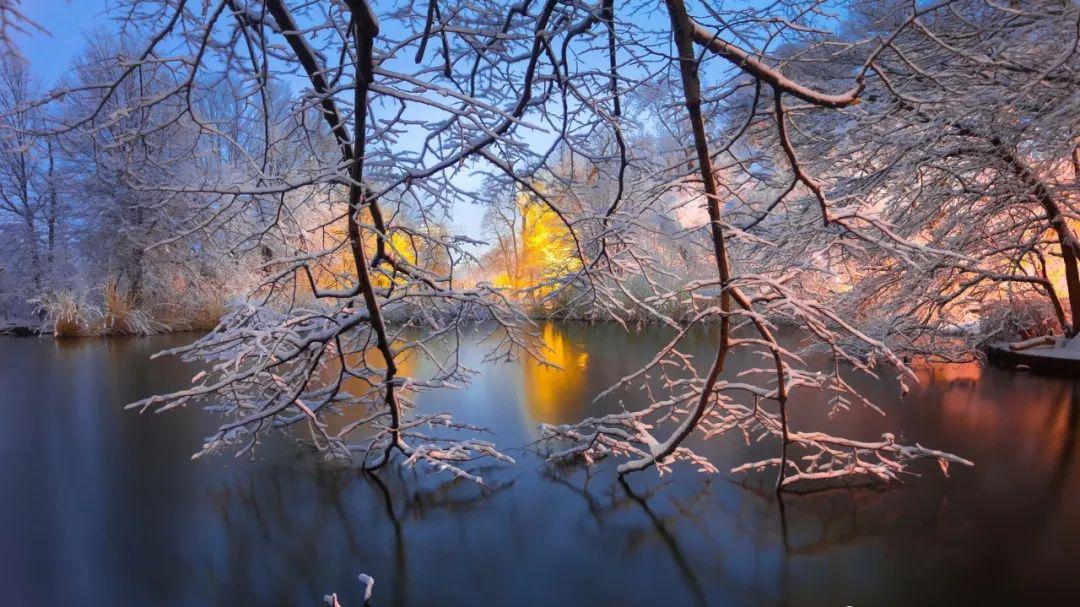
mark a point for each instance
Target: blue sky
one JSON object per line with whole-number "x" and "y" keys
{"x": 68, "y": 21}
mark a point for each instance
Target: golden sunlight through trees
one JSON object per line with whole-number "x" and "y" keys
{"x": 410, "y": 246}
{"x": 545, "y": 249}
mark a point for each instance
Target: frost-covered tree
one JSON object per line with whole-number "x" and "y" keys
{"x": 400, "y": 108}
{"x": 12, "y": 20}
{"x": 966, "y": 142}
{"x": 30, "y": 216}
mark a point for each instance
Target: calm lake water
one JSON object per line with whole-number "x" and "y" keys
{"x": 104, "y": 507}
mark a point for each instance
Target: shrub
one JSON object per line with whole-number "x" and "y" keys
{"x": 1018, "y": 318}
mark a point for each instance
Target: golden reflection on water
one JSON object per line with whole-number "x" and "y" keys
{"x": 948, "y": 373}
{"x": 963, "y": 401}
{"x": 407, "y": 366}
{"x": 1042, "y": 421}
{"x": 556, "y": 395}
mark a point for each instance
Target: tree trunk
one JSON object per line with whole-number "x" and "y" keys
{"x": 1070, "y": 248}
{"x": 681, "y": 27}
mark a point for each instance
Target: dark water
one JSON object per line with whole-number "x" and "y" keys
{"x": 103, "y": 507}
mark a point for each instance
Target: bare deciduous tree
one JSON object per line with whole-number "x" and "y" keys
{"x": 553, "y": 100}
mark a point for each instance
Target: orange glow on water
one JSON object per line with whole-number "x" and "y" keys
{"x": 556, "y": 395}
{"x": 947, "y": 373}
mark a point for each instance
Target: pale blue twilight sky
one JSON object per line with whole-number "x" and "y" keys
{"x": 67, "y": 22}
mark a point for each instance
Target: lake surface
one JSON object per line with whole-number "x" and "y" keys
{"x": 104, "y": 507}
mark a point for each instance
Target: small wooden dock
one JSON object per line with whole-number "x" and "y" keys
{"x": 1062, "y": 357}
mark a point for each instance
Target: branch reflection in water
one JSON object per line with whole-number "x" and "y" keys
{"x": 124, "y": 508}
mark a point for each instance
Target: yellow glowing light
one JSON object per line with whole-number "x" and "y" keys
{"x": 336, "y": 270}
{"x": 546, "y": 251}
{"x": 556, "y": 395}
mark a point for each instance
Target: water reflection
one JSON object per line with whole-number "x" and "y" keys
{"x": 104, "y": 507}
{"x": 357, "y": 384}
{"x": 611, "y": 499}
{"x": 555, "y": 392}
{"x": 286, "y": 531}
{"x": 1066, "y": 430}
{"x": 660, "y": 526}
